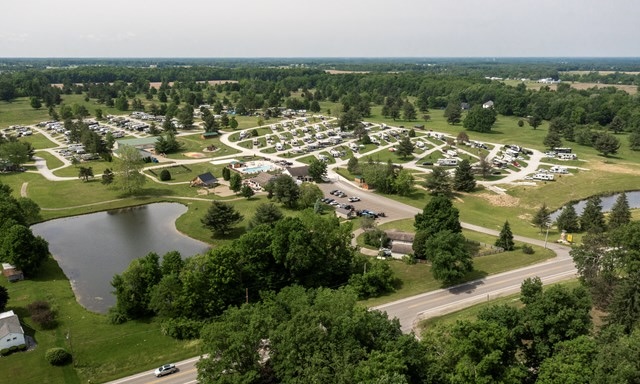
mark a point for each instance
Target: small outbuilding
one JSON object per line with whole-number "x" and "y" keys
{"x": 11, "y": 332}
{"x": 299, "y": 173}
{"x": 209, "y": 135}
{"x": 260, "y": 181}
{"x": 204, "y": 180}
{"x": 12, "y": 273}
{"x": 345, "y": 213}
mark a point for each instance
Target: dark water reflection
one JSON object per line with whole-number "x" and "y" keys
{"x": 633, "y": 198}
{"x": 92, "y": 248}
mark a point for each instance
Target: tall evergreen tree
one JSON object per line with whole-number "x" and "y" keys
{"x": 464, "y": 180}
{"x": 505, "y": 239}
{"x": 592, "y": 218}
{"x": 405, "y": 147}
{"x": 542, "y": 217}
{"x": 439, "y": 182}
{"x": 620, "y": 213}
{"x": 568, "y": 220}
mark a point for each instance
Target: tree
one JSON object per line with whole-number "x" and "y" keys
{"x": 485, "y": 166}
{"x": 22, "y": 249}
{"x": 607, "y": 144}
{"x": 568, "y": 220}
{"x": 449, "y": 256}
{"x": 552, "y": 140}
{"x": 226, "y": 173}
{"x": 121, "y": 103}
{"x": 107, "y": 176}
{"x": 534, "y": 121}
{"x": 317, "y": 170}
{"x": 4, "y": 298}
{"x": 404, "y": 182}
{"x": 439, "y": 182}
{"x": 309, "y": 195}
{"x": 352, "y": 165}
{"x": 85, "y": 173}
{"x": 246, "y": 191}
{"x": 438, "y": 215}
{"x": 542, "y": 218}
{"x": 464, "y": 181}
{"x": 405, "y": 147}
{"x": 462, "y": 137}
{"x": 453, "y": 112}
{"x": 572, "y": 362}
{"x": 130, "y": 178}
{"x": 308, "y": 334}
{"x": 283, "y": 189}
{"x": 165, "y": 175}
{"x": 505, "y": 238}
{"x": 480, "y": 119}
{"x": 30, "y": 210}
{"x": 634, "y": 141}
{"x": 408, "y": 111}
{"x": 233, "y": 123}
{"x": 134, "y": 286}
{"x": 235, "y": 182}
{"x": 349, "y": 120}
{"x": 266, "y": 213}
{"x": 597, "y": 267}
{"x": 36, "y": 103}
{"x": 221, "y": 217}
{"x": 377, "y": 279}
{"x": 556, "y": 314}
{"x": 592, "y": 218}
{"x": 617, "y": 124}
{"x": 314, "y": 106}
{"x": 620, "y": 214}
{"x": 15, "y": 153}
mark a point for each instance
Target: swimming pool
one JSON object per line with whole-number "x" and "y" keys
{"x": 257, "y": 169}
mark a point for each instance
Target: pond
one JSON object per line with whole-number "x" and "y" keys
{"x": 633, "y": 198}
{"x": 92, "y": 248}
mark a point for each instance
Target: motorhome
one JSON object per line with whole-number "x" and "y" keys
{"x": 567, "y": 156}
{"x": 447, "y": 162}
{"x": 544, "y": 176}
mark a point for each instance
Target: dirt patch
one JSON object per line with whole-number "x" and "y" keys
{"x": 195, "y": 155}
{"x": 500, "y": 200}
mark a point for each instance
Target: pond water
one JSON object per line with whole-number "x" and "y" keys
{"x": 633, "y": 198}
{"x": 92, "y": 248}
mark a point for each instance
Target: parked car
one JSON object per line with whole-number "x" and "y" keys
{"x": 165, "y": 370}
{"x": 353, "y": 199}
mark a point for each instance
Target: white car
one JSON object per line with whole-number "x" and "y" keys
{"x": 165, "y": 370}
{"x": 353, "y": 199}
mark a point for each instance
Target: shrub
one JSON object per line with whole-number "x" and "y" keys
{"x": 181, "y": 329}
{"x": 5, "y": 352}
{"x": 527, "y": 249}
{"x": 57, "y": 356}
{"x": 376, "y": 238}
{"x": 165, "y": 175}
{"x": 116, "y": 317}
{"x": 409, "y": 259}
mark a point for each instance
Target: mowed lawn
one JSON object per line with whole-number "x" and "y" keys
{"x": 101, "y": 351}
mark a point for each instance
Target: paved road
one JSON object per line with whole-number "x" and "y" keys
{"x": 186, "y": 375}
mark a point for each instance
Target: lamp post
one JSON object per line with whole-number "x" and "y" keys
{"x": 546, "y": 236}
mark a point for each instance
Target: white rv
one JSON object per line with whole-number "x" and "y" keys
{"x": 447, "y": 162}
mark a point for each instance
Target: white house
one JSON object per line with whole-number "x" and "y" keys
{"x": 11, "y": 332}
{"x": 488, "y": 104}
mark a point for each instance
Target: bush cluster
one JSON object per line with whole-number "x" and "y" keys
{"x": 527, "y": 249}
{"x": 165, "y": 175}
{"x": 181, "y": 328}
{"x": 57, "y": 356}
{"x": 15, "y": 348}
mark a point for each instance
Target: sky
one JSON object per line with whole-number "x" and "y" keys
{"x": 329, "y": 28}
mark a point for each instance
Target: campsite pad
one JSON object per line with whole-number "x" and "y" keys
{"x": 195, "y": 155}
